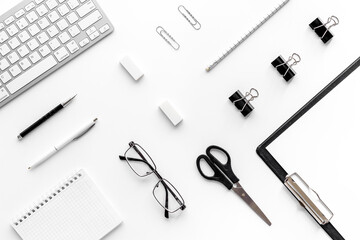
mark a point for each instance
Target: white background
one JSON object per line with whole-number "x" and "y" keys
{"x": 128, "y": 110}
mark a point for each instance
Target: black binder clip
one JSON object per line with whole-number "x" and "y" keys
{"x": 285, "y": 68}
{"x": 242, "y": 102}
{"x": 321, "y": 30}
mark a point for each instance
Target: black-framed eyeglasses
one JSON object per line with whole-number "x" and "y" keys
{"x": 143, "y": 165}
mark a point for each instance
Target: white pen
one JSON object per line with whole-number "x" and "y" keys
{"x": 64, "y": 143}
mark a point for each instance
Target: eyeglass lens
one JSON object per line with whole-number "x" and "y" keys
{"x": 164, "y": 188}
{"x": 139, "y": 161}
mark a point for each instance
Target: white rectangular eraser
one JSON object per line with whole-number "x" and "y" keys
{"x": 132, "y": 69}
{"x": 171, "y": 113}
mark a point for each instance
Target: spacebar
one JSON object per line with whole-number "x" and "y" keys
{"x": 31, "y": 74}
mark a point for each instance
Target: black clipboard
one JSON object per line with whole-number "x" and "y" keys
{"x": 275, "y": 166}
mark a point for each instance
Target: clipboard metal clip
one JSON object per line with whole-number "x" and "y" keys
{"x": 308, "y": 198}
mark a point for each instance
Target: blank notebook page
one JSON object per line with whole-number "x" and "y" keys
{"x": 74, "y": 210}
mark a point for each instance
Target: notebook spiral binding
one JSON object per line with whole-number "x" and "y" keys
{"x": 75, "y": 177}
{"x": 243, "y": 39}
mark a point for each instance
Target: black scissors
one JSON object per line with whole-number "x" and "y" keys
{"x": 224, "y": 174}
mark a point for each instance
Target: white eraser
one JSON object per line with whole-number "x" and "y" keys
{"x": 132, "y": 69}
{"x": 171, "y": 113}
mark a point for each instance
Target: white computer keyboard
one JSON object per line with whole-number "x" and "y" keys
{"x": 39, "y": 36}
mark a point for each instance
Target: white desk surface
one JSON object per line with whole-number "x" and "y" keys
{"x": 128, "y": 110}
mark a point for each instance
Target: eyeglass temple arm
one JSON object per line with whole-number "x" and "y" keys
{"x": 166, "y": 200}
{"x": 174, "y": 195}
{"x": 137, "y": 160}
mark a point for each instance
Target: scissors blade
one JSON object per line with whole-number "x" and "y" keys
{"x": 238, "y": 189}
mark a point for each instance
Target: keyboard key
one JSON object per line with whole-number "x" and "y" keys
{"x": 2, "y": 26}
{"x": 64, "y": 37}
{"x": 15, "y": 70}
{"x": 4, "y": 64}
{"x": 12, "y": 30}
{"x": 63, "y": 10}
{"x": 72, "y": 18}
{"x": 3, "y": 36}
{"x": 5, "y": 77}
{"x": 62, "y": 24}
{"x": 34, "y": 57}
{"x": 42, "y": 10}
{"x": 25, "y": 64}
{"x": 104, "y": 28}
{"x": 43, "y": 37}
{"x": 23, "y": 51}
{"x": 31, "y": 74}
{"x": 44, "y": 51}
{"x": 44, "y": 23}
{"x": 14, "y": 43}
{"x": 61, "y": 54}
{"x": 9, "y": 20}
{"x": 32, "y": 17}
{"x": 61, "y": 1}
{"x": 74, "y": 31}
{"x": 52, "y": 31}
{"x": 94, "y": 35}
{"x": 4, "y": 49}
{"x": 84, "y": 42}
{"x": 3, "y": 94}
{"x": 13, "y": 57}
{"x": 90, "y": 31}
{"x": 30, "y": 6}
{"x": 19, "y": 13}
{"x": 22, "y": 23}
{"x": 51, "y": 4}
{"x": 86, "y": 8}
{"x": 38, "y": 1}
{"x": 73, "y": 4}
{"x": 54, "y": 44}
{"x": 24, "y": 36}
{"x": 90, "y": 20}
{"x": 72, "y": 46}
{"x": 33, "y": 30}
{"x": 33, "y": 44}
{"x": 53, "y": 16}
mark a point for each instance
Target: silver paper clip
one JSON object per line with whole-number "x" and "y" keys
{"x": 189, "y": 17}
{"x": 308, "y": 198}
{"x": 167, "y": 37}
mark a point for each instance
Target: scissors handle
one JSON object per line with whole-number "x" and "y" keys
{"x": 225, "y": 168}
{"x": 217, "y": 176}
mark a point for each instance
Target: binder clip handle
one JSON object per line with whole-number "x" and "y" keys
{"x": 295, "y": 57}
{"x": 249, "y": 96}
{"x": 333, "y": 19}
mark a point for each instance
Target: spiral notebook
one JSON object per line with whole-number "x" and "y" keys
{"x": 73, "y": 210}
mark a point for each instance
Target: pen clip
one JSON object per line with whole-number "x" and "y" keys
{"x": 84, "y": 132}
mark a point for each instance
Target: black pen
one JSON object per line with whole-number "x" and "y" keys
{"x": 44, "y": 118}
